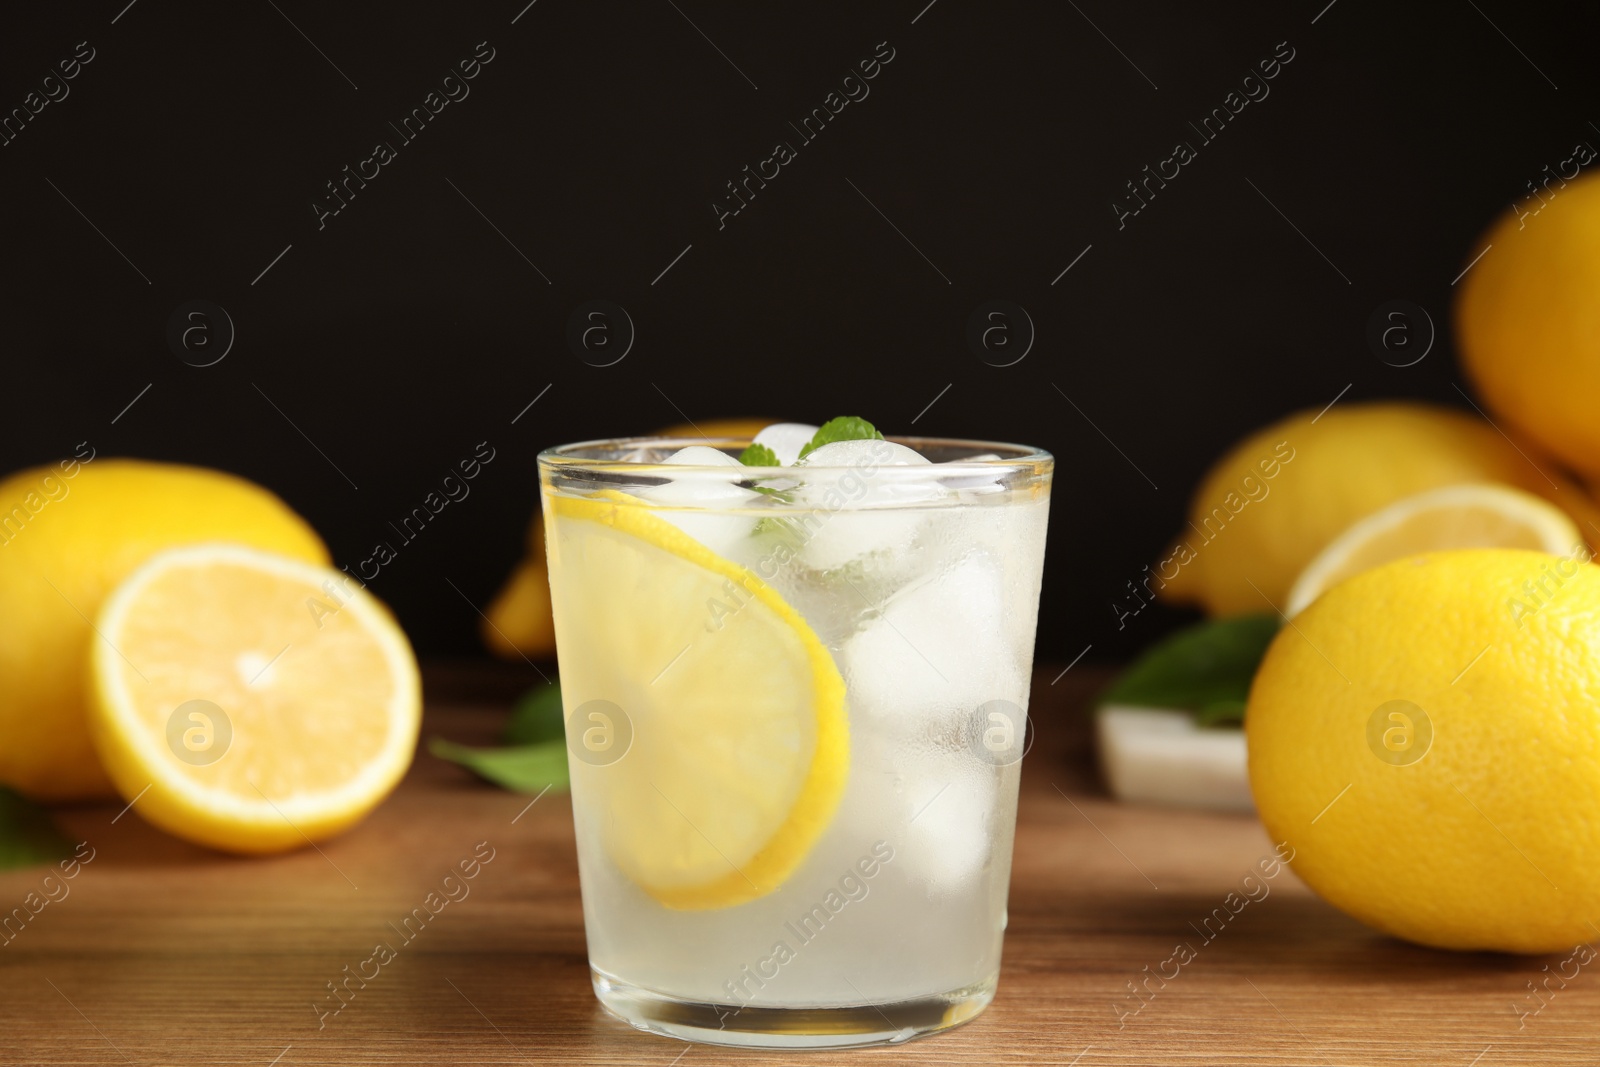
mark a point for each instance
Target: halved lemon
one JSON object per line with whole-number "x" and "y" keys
{"x": 1457, "y": 516}
{"x": 706, "y": 721}
{"x": 250, "y": 702}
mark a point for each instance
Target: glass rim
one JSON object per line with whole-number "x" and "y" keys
{"x": 564, "y": 458}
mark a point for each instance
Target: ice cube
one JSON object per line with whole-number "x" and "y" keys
{"x": 950, "y": 833}
{"x": 694, "y": 503}
{"x": 936, "y": 650}
{"x": 860, "y": 509}
{"x": 786, "y": 439}
{"x": 875, "y": 453}
{"x": 702, "y": 456}
{"x": 938, "y": 798}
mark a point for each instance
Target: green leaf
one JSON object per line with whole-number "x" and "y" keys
{"x": 535, "y": 754}
{"x": 844, "y": 428}
{"x": 28, "y": 837}
{"x": 519, "y": 768}
{"x": 1205, "y": 669}
{"x": 759, "y": 456}
{"x": 762, "y": 456}
{"x": 537, "y": 717}
{"x": 1221, "y": 713}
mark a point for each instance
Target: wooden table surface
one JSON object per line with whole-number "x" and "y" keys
{"x": 165, "y": 953}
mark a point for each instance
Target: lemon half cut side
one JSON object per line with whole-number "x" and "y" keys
{"x": 248, "y": 701}
{"x": 1457, "y": 516}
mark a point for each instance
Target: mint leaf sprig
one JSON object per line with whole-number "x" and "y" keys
{"x": 534, "y": 756}
{"x": 759, "y": 456}
{"x": 1205, "y": 669}
{"x": 844, "y": 428}
{"x": 762, "y": 456}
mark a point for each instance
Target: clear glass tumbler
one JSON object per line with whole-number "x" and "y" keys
{"x": 795, "y": 707}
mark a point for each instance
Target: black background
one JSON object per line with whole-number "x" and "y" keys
{"x": 407, "y": 329}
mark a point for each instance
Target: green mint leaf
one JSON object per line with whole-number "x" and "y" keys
{"x": 27, "y": 835}
{"x": 536, "y": 718}
{"x": 519, "y": 768}
{"x": 844, "y": 428}
{"x": 1221, "y": 713}
{"x": 759, "y": 456}
{"x": 762, "y": 456}
{"x": 1205, "y": 669}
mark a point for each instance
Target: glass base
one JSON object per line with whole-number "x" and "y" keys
{"x": 750, "y": 1026}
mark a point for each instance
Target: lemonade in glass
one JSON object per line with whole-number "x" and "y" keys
{"x": 795, "y": 691}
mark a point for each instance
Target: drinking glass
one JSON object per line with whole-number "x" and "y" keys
{"x": 795, "y": 704}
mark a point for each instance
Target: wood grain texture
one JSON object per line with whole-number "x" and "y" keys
{"x": 169, "y": 954}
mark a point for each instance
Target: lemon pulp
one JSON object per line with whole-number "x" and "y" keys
{"x": 737, "y": 736}
{"x": 308, "y": 702}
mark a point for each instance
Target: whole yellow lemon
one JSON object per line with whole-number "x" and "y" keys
{"x": 1426, "y": 739}
{"x": 1276, "y": 499}
{"x": 1528, "y": 321}
{"x": 518, "y": 623}
{"x": 69, "y": 532}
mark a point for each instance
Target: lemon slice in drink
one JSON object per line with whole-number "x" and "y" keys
{"x": 250, "y": 702}
{"x": 1457, "y": 516}
{"x": 736, "y": 746}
